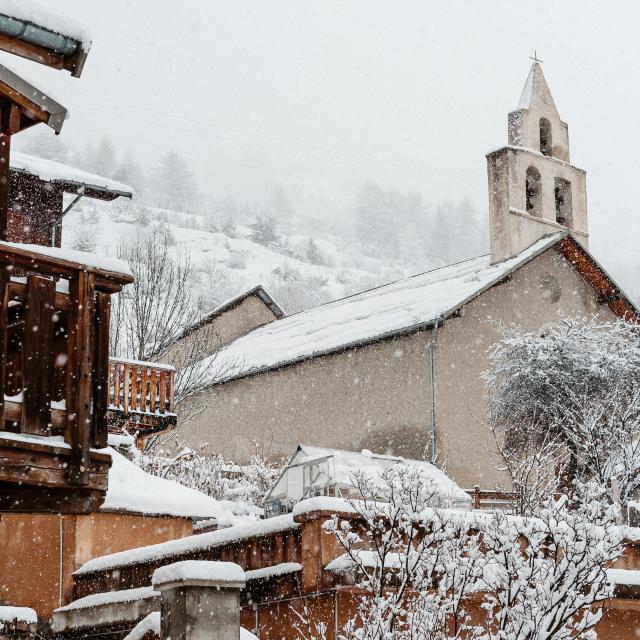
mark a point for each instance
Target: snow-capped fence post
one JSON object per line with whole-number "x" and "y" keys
{"x": 200, "y": 599}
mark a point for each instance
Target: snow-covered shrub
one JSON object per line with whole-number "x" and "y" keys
{"x": 213, "y": 474}
{"x": 436, "y": 574}
{"x": 568, "y": 397}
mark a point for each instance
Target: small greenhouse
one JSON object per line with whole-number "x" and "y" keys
{"x": 316, "y": 471}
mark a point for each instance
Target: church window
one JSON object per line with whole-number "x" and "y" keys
{"x": 545, "y": 137}
{"x": 533, "y": 191}
{"x": 563, "y": 202}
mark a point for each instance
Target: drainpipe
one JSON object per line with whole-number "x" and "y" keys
{"x": 58, "y": 220}
{"x": 432, "y": 385}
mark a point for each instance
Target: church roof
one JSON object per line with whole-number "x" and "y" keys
{"x": 401, "y": 307}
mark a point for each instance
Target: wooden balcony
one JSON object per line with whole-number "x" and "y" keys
{"x": 54, "y": 337}
{"x": 140, "y": 397}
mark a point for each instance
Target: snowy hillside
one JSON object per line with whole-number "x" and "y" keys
{"x": 227, "y": 262}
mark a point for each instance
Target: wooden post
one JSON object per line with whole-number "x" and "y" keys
{"x": 4, "y": 331}
{"x": 79, "y": 387}
{"x": 10, "y": 124}
{"x": 37, "y": 356}
{"x": 476, "y": 497}
{"x": 101, "y": 386}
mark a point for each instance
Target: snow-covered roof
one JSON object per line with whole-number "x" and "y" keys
{"x": 18, "y": 614}
{"x": 149, "y": 624}
{"x": 80, "y": 258}
{"x": 343, "y": 465}
{"x": 135, "y": 491}
{"x": 629, "y": 577}
{"x": 110, "y": 597}
{"x": 282, "y": 569}
{"x": 69, "y": 177}
{"x": 406, "y": 305}
{"x": 42, "y": 16}
{"x": 199, "y": 542}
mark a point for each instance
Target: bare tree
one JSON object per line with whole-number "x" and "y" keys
{"x": 150, "y": 314}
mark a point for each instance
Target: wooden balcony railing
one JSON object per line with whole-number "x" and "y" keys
{"x": 54, "y": 337}
{"x": 141, "y": 396}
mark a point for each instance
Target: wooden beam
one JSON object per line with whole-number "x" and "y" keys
{"x": 81, "y": 290}
{"x": 37, "y": 356}
{"x": 31, "y": 52}
{"x": 107, "y": 281}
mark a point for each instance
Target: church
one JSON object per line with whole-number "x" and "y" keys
{"x": 398, "y": 369}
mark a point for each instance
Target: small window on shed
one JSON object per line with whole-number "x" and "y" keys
{"x": 545, "y": 137}
{"x": 563, "y": 202}
{"x": 533, "y": 191}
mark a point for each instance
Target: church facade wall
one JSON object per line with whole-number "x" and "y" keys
{"x": 532, "y": 298}
{"x": 376, "y": 397}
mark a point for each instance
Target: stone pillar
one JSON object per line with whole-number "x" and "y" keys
{"x": 200, "y": 599}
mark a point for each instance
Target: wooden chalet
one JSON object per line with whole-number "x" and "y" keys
{"x": 54, "y": 318}
{"x": 37, "y": 187}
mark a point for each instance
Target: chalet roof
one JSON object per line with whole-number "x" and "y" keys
{"x": 37, "y": 106}
{"x": 69, "y": 178}
{"x": 257, "y": 291}
{"x": 71, "y": 258}
{"x": 401, "y": 307}
{"x": 33, "y": 31}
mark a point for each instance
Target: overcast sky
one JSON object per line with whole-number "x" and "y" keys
{"x": 324, "y": 95}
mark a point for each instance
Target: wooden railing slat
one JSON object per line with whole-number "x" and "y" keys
{"x": 153, "y": 390}
{"x": 163, "y": 391}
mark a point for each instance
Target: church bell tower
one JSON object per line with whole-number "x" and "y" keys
{"x": 534, "y": 190}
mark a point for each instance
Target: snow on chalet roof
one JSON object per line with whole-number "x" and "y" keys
{"x": 408, "y": 304}
{"x": 44, "y": 17}
{"x": 133, "y": 490}
{"x": 199, "y": 542}
{"x": 52, "y": 171}
{"x": 90, "y": 260}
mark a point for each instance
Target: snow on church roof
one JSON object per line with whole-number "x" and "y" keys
{"x": 406, "y": 305}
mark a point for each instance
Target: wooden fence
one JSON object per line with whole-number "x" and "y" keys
{"x": 142, "y": 387}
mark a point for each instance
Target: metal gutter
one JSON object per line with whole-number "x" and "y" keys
{"x": 56, "y": 43}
